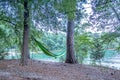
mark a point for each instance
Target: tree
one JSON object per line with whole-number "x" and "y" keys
{"x": 44, "y": 14}
{"x": 106, "y": 18}
{"x": 97, "y": 50}
{"x": 25, "y": 13}
{"x": 83, "y": 44}
{"x": 69, "y": 7}
{"x": 9, "y": 25}
{"x": 70, "y": 55}
{"x": 25, "y": 49}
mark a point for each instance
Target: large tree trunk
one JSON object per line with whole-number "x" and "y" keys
{"x": 70, "y": 55}
{"x": 25, "y": 50}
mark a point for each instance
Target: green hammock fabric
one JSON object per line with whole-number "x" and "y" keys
{"x": 46, "y": 51}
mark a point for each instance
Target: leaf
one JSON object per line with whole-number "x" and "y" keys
{"x": 45, "y": 50}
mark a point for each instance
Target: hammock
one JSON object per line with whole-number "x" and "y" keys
{"x": 45, "y": 50}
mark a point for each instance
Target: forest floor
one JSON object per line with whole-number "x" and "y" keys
{"x": 41, "y": 70}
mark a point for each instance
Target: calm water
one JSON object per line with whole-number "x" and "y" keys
{"x": 111, "y": 58}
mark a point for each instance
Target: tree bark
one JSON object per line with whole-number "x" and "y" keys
{"x": 70, "y": 55}
{"x": 25, "y": 50}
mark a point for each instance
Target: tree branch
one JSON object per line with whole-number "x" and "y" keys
{"x": 117, "y": 15}
{"x": 8, "y": 22}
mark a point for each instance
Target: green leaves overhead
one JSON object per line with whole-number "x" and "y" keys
{"x": 102, "y": 3}
{"x": 110, "y": 37}
{"x": 70, "y": 8}
{"x": 67, "y": 6}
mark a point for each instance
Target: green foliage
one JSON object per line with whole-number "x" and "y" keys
{"x": 109, "y": 37}
{"x": 11, "y": 28}
{"x": 4, "y": 44}
{"x": 82, "y": 46}
{"x": 102, "y": 4}
{"x": 54, "y": 41}
{"x": 3, "y": 55}
{"x": 66, "y": 6}
{"x": 97, "y": 50}
{"x": 118, "y": 48}
{"x": 70, "y": 8}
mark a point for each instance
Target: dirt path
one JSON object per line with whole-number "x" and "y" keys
{"x": 37, "y": 70}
